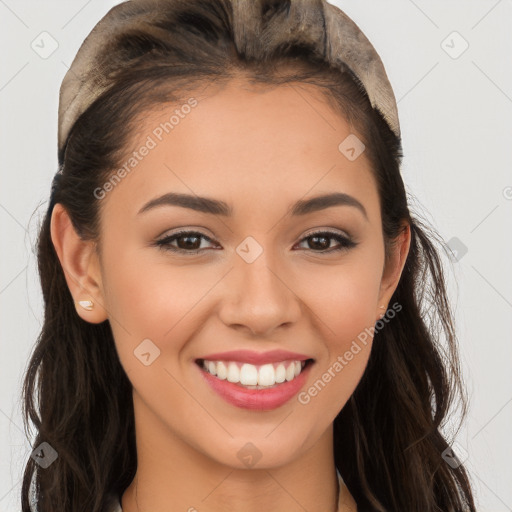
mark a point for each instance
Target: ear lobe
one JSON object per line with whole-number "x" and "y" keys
{"x": 394, "y": 268}
{"x": 79, "y": 261}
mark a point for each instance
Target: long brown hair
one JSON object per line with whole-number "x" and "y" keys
{"x": 388, "y": 443}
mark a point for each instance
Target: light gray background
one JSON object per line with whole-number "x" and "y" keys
{"x": 456, "y": 118}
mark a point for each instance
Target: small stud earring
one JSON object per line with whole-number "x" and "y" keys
{"x": 86, "y": 304}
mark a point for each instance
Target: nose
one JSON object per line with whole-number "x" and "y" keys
{"x": 258, "y": 297}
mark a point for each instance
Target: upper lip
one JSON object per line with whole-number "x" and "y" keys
{"x": 256, "y": 358}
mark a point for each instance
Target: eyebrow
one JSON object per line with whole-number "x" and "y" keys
{"x": 217, "y": 207}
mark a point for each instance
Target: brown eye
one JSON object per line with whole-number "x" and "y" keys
{"x": 186, "y": 241}
{"x": 321, "y": 242}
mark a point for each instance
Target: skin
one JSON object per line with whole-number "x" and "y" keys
{"x": 260, "y": 150}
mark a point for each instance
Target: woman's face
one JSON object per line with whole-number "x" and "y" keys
{"x": 259, "y": 282}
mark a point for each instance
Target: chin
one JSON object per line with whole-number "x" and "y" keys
{"x": 266, "y": 452}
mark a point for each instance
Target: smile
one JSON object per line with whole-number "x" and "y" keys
{"x": 255, "y": 387}
{"x": 254, "y": 376}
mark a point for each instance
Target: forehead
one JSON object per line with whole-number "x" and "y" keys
{"x": 256, "y": 144}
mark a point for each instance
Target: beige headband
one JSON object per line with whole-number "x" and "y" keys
{"x": 83, "y": 82}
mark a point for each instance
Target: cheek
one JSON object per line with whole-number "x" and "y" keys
{"x": 149, "y": 299}
{"x": 344, "y": 303}
{"x": 342, "y": 297}
{"x": 353, "y": 308}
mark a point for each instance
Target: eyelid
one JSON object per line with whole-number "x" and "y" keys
{"x": 186, "y": 229}
{"x": 327, "y": 230}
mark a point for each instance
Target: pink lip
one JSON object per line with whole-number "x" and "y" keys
{"x": 256, "y": 358}
{"x": 257, "y": 399}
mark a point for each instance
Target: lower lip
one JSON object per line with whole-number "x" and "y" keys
{"x": 257, "y": 399}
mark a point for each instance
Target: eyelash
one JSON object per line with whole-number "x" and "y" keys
{"x": 346, "y": 243}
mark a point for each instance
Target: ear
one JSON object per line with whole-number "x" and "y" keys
{"x": 80, "y": 263}
{"x": 393, "y": 268}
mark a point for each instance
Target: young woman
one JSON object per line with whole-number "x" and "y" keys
{"x": 241, "y": 313}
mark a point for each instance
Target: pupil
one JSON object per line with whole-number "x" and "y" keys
{"x": 188, "y": 245}
{"x": 321, "y": 246}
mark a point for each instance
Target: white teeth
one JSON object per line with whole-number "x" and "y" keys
{"x": 233, "y": 372}
{"x": 222, "y": 371}
{"x": 211, "y": 368}
{"x": 249, "y": 375}
{"x": 280, "y": 373}
{"x": 266, "y": 376}
{"x": 253, "y": 376}
{"x": 290, "y": 372}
